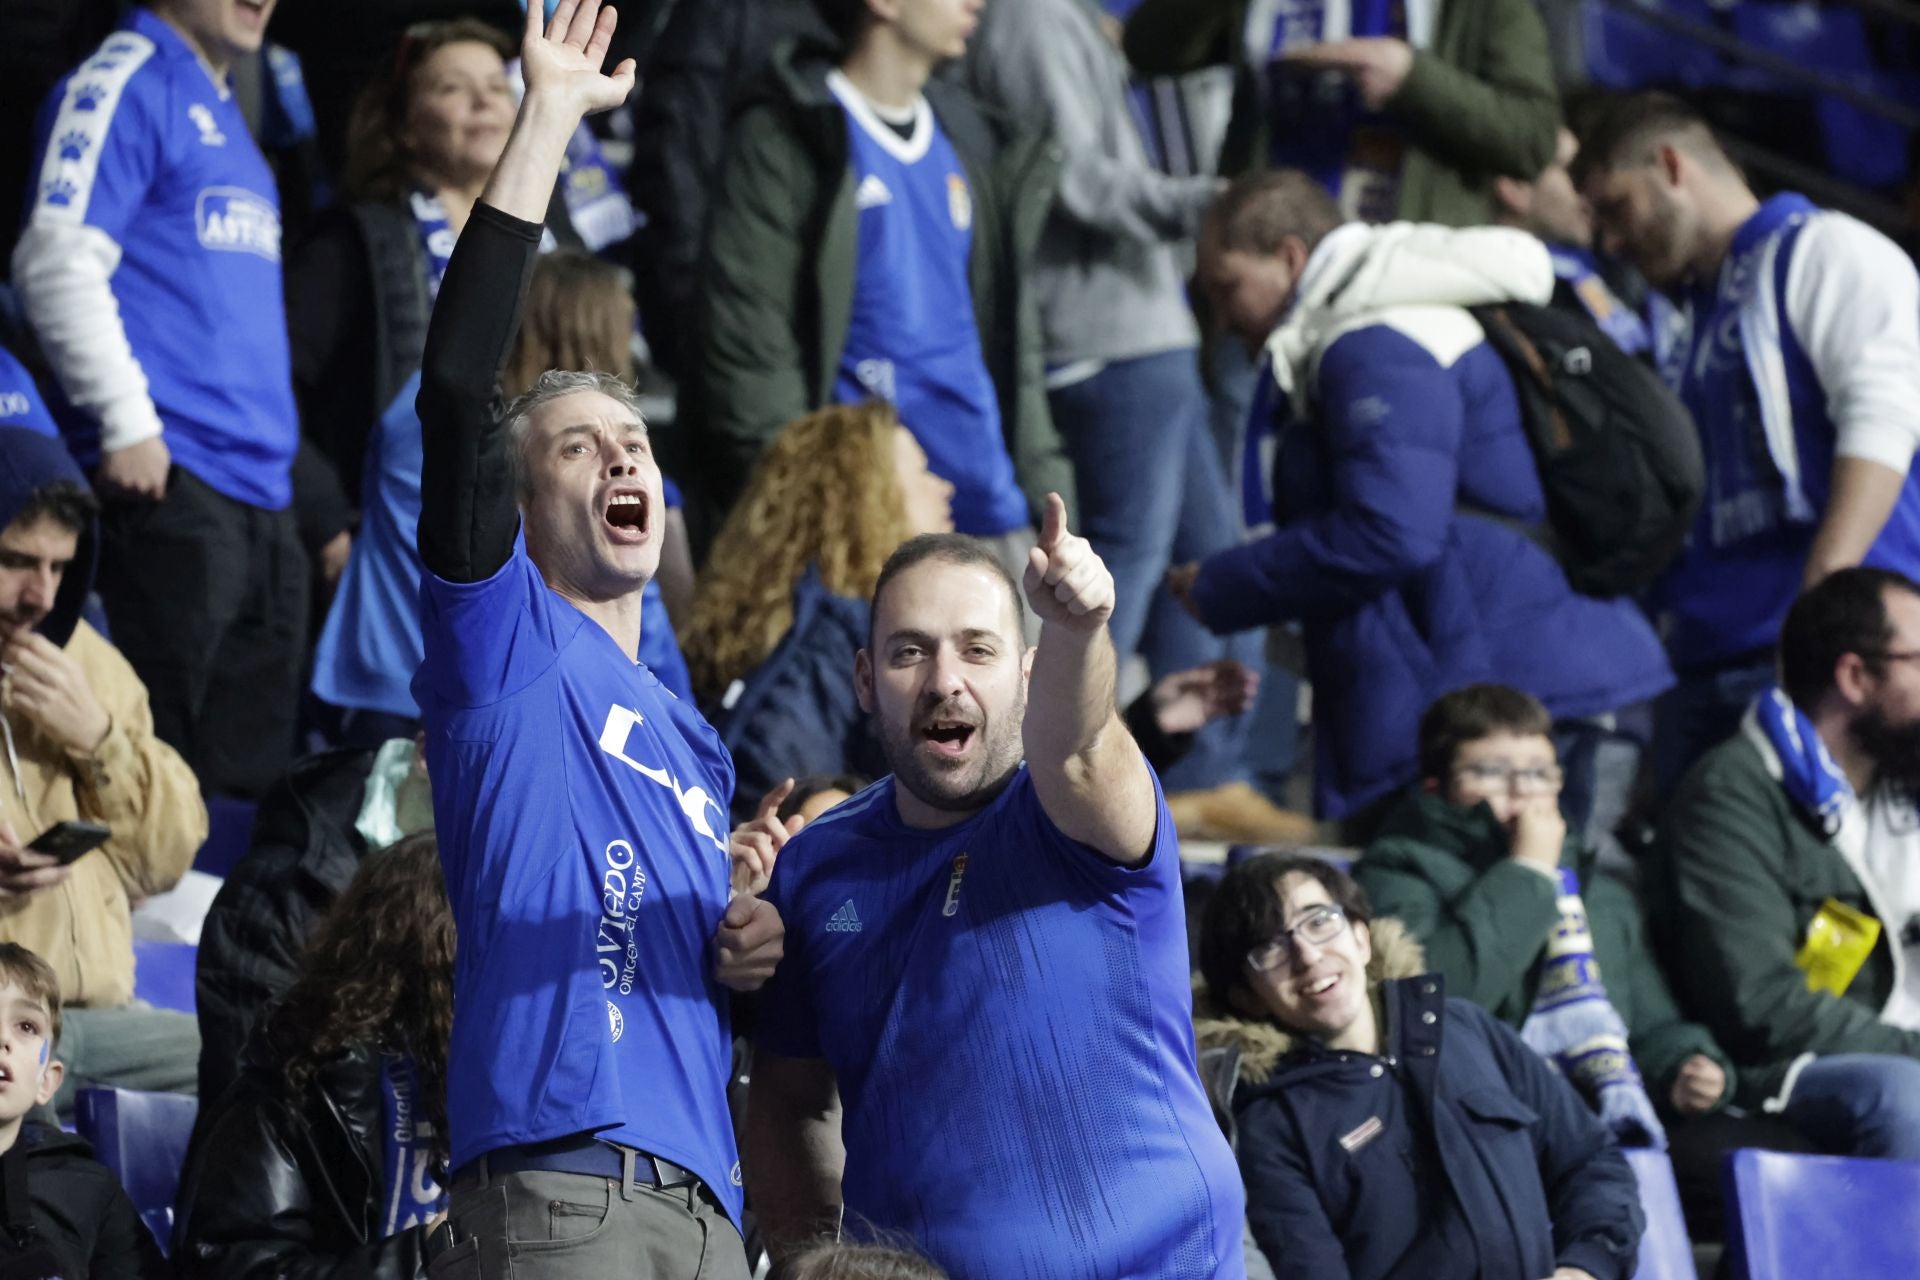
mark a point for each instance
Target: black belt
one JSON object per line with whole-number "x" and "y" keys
{"x": 581, "y": 1154}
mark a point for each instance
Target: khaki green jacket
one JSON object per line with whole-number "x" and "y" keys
{"x": 1480, "y": 102}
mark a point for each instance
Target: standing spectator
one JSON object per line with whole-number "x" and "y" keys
{"x": 1549, "y": 208}
{"x": 1800, "y": 361}
{"x": 1008, "y": 898}
{"x": 150, "y": 268}
{"x": 80, "y": 746}
{"x": 1397, "y": 410}
{"x": 870, "y": 238}
{"x": 1401, "y": 111}
{"x": 1786, "y": 883}
{"x": 1123, "y": 359}
{"x": 575, "y": 799}
{"x": 707, "y": 54}
{"x": 72, "y": 1218}
{"x": 328, "y": 1157}
{"x": 1385, "y": 1129}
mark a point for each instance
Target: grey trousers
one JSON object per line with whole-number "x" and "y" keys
{"x": 135, "y": 1046}
{"x": 569, "y": 1226}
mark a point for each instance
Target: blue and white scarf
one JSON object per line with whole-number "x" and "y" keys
{"x": 436, "y": 237}
{"x": 1808, "y": 773}
{"x": 1575, "y": 1027}
{"x": 413, "y": 1193}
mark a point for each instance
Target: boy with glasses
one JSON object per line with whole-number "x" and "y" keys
{"x": 1384, "y": 1129}
{"x": 1478, "y": 863}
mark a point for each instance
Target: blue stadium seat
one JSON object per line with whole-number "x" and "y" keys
{"x": 1666, "y": 1251}
{"x": 1861, "y": 146}
{"x": 163, "y": 973}
{"x": 229, "y": 833}
{"x": 142, "y": 1137}
{"x": 1623, "y": 52}
{"x": 1794, "y": 1217}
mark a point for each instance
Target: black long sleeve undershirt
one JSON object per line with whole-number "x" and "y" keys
{"x": 468, "y": 516}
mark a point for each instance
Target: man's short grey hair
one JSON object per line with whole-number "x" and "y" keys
{"x": 552, "y": 385}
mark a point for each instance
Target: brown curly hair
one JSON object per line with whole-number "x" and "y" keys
{"x": 579, "y": 315}
{"x": 379, "y": 973}
{"x": 824, "y": 493}
{"x": 378, "y": 165}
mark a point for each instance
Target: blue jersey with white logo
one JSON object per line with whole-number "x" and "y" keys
{"x": 913, "y": 340}
{"x": 20, "y": 402}
{"x": 141, "y": 143}
{"x": 582, "y": 816}
{"x": 1010, "y": 1021}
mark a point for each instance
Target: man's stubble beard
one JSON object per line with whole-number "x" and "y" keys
{"x": 998, "y": 761}
{"x": 1893, "y": 748}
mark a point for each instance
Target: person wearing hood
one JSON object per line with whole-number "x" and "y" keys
{"x": 1384, "y": 1129}
{"x": 1382, "y": 410}
{"x": 80, "y": 746}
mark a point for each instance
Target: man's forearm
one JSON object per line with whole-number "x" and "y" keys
{"x": 1070, "y": 695}
{"x": 1864, "y": 495}
{"x": 1090, "y": 776}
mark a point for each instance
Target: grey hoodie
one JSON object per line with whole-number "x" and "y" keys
{"x": 1108, "y": 272}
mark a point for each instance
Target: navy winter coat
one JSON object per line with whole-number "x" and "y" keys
{"x": 1469, "y": 1157}
{"x": 1402, "y": 596}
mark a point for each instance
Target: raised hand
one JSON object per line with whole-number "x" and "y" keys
{"x": 1184, "y": 701}
{"x": 1066, "y": 583}
{"x": 755, "y": 844}
{"x": 51, "y": 689}
{"x": 565, "y": 57}
{"x": 1378, "y": 64}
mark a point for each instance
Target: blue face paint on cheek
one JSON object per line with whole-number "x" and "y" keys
{"x": 46, "y": 1052}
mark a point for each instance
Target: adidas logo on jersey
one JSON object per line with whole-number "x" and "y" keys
{"x": 845, "y": 920}
{"x": 871, "y": 193}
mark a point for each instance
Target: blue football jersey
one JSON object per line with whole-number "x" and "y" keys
{"x": 1009, "y": 1018}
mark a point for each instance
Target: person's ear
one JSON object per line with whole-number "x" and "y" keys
{"x": 1853, "y": 679}
{"x": 863, "y": 680}
{"x": 1672, "y": 163}
{"x": 1026, "y": 664}
{"x": 1512, "y": 196}
{"x": 50, "y": 1079}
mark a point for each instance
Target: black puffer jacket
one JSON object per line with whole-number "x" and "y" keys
{"x": 305, "y": 849}
{"x": 291, "y": 1188}
{"x": 82, "y": 1220}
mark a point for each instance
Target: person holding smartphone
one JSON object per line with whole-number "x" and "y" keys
{"x": 77, "y": 747}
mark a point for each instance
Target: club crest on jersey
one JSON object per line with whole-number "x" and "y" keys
{"x": 235, "y": 220}
{"x": 202, "y": 117}
{"x": 952, "y": 906}
{"x": 959, "y": 202}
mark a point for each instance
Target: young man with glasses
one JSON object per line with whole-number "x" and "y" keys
{"x": 1518, "y": 915}
{"x": 1383, "y": 1128}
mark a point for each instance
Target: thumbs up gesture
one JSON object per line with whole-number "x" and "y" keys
{"x": 1066, "y": 583}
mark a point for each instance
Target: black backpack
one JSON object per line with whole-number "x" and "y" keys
{"x": 1618, "y": 456}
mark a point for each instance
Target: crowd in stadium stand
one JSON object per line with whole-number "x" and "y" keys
{"x": 862, "y": 639}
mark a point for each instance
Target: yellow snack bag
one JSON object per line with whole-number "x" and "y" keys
{"x": 1839, "y": 939}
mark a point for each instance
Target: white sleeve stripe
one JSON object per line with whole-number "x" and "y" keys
{"x": 80, "y": 128}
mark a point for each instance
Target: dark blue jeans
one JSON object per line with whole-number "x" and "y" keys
{"x": 1153, "y": 493}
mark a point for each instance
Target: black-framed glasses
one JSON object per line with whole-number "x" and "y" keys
{"x": 1533, "y": 780}
{"x": 1319, "y": 926}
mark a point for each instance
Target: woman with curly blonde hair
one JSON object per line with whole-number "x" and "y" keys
{"x": 790, "y": 574}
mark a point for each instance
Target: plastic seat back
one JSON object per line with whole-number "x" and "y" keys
{"x": 1666, "y": 1251}
{"x": 143, "y": 1138}
{"x": 1797, "y": 1217}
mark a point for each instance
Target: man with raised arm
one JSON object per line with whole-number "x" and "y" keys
{"x": 981, "y": 1035}
{"x": 581, "y": 807}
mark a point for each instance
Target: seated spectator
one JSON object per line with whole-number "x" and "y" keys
{"x": 813, "y": 796}
{"x": 75, "y": 1220}
{"x": 860, "y": 1262}
{"x": 579, "y": 316}
{"x": 1383, "y": 1128}
{"x": 1515, "y": 913}
{"x": 1400, "y": 111}
{"x": 869, "y": 238}
{"x": 327, "y": 1156}
{"x": 1548, "y": 207}
{"x": 21, "y": 404}
{"x": 81, "y": 747}
{"x": 313, "y": 830}
{"x": 1406, "y": 413}
{"x": 1786, "y": 881}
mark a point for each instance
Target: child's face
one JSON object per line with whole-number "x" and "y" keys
{"x": 28, "y": 1074}
{"x": 1509, "y": 771}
